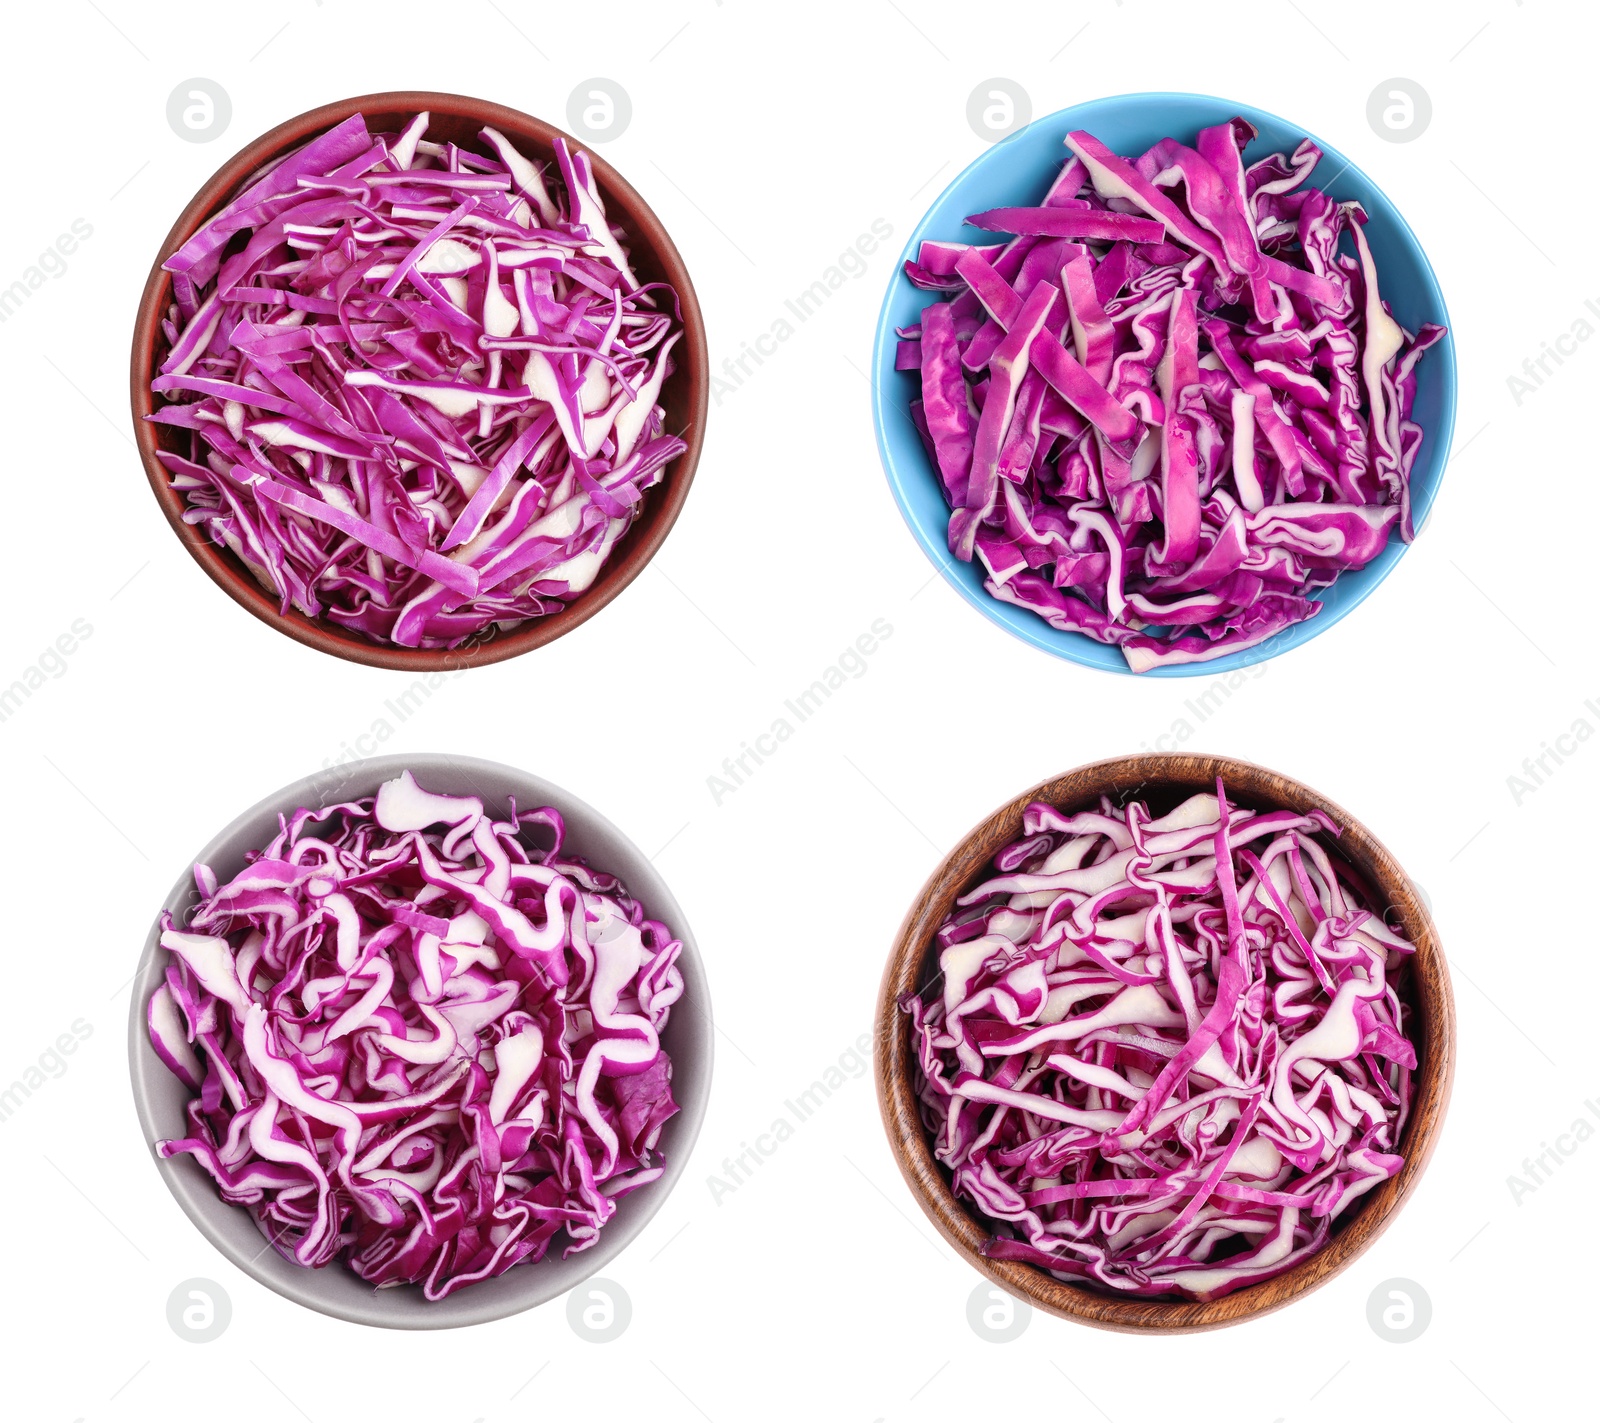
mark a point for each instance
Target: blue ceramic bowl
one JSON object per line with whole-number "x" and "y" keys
{"x": 1016, "y": 172}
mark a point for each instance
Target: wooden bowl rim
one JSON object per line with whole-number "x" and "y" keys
{"x": 893, "y": 1058}
{"x": 639, "y": 543}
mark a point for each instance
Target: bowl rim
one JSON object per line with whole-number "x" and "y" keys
{"x": 969, "y": 860}
{"x": 1078, "y": 647}
{"x": 643, "y": 226}
{"x": 196, "y": 1193}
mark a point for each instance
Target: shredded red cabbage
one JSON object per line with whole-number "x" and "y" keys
{"x": 1152, "y": 1076}
{"x": 1168, "y": 409}
{"x": 417, "y": 1043}
{"x": 420, "y": 383}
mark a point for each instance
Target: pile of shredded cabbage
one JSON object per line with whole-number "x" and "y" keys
{"x": 418, "y": 1044}
{"x": 420, "y": 383}
{"x": 1163, "y": 1055}
{"x": 1168, "y": 409}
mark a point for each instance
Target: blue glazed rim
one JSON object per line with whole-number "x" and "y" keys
{"x": 1016, "y": 170}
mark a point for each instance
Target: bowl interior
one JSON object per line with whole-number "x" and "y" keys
{"x": 1164, "y": 781}
{"x": 1017, "y": 170}
{"x": 160, "y": 1097}
{"x": 684, "y": 395}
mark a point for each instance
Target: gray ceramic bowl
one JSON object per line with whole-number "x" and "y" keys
{"x": 160, "y": 1097}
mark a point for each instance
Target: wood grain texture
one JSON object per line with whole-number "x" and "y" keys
{"x": 1163, "y": 780}
{"x": 684, "y": 397}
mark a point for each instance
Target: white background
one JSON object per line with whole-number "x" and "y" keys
{"x": 767, "y": 141}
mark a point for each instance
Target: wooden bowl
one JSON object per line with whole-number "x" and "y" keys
{"x": 1163, "y": 781}
{"x": 684, "y": 396}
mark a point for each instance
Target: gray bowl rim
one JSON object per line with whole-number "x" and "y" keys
{"x": 335, "y": 1290}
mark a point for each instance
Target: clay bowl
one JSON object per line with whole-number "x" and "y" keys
{"x": 1163, "y": 781}
{"x": 456, "y": 118}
